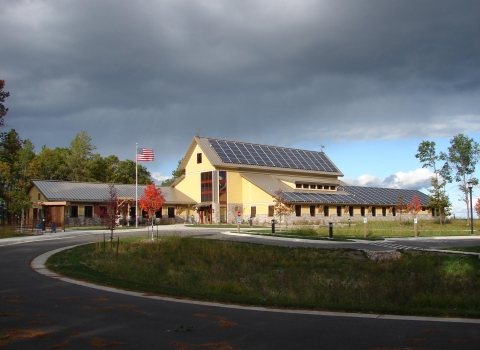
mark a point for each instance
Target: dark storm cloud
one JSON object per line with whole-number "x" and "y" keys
{"x": 248, "y": 70}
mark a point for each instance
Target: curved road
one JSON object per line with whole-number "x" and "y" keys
{"x": 40, "y": 312}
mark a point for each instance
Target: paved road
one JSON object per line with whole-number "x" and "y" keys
{"x": 43, "y": 312}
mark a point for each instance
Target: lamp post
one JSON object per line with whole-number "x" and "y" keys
{"x": 470, "y": 186}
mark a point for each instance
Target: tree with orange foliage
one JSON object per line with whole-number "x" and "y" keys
{"x": 414, "y": 206}
{"x": 152, "y": 200}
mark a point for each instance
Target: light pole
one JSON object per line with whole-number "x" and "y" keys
{"x": 470, "y": 186}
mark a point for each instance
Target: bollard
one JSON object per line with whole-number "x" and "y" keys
{"x": 273, "y": 226}
{"x": 330, "y": 230}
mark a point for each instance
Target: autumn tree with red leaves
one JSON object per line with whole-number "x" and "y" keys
{"x": 152, "y": 200}
{"x": 415, "y": 206}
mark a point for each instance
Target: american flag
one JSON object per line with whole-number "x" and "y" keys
{"x": 144, "y": 155}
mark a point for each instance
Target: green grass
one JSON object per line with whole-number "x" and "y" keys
{"x": 377, "y": 229}
{"x": 319, "y": 279}
{"x": 9, "y": 232}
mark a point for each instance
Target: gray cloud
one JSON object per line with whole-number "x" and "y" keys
{"x": 156, "y": 71}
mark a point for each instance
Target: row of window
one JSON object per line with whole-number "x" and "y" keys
{"x": 316, "y": 187}
{"x": 88, "y": 211}
{"x": 326, "y": 211}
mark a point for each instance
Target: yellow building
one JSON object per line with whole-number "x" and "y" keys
{"x": 229, "y": 178}
{"x": 224, "y": 180}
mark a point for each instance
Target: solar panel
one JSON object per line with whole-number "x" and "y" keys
{"x": 272, "y": 156}
{"x": 375, "y": 195}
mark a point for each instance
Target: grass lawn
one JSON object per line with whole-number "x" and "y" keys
{"x": 9, "y": 232}
{"x": 376, "y": 229}
{"x": 419, "y": 283}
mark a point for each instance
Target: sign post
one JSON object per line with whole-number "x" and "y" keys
{"x": 415, "y": 221}
{"x": 364, "y": 227}
{"x": 239, "y": 221}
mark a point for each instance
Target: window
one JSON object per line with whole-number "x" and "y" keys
{"x": 88, "y": 211}
{"x": 158, "y": 214}
{"x": 171, "y": 212}
{"x": 206, "y": 186}
{"x": 199, "y": 158}
{"x": 74, "y": 211}
{"x": 350, "y": 210}
{"x": 313, "y": 187}
{"x": 39, "y": 196}
{"x": 271, "y": 210}
{"x": 339, "y": 210}
{"x": 253, "y": 212}
{"x": 374, "y": 211}
{"x": 319, "y": 187}
{"x": 298, "y": 210}
{"x": 312, "y": 210}
{"x": 305, "y": 186}
{"x": 394, "y": 211}
{"x": 298, "y": 186}
{"x": 332, "y": 188}
{"x": 326, "y": 210}
{"x": 384, "y": 211}
{"x": 222, "y": 187}
{"x": 362, "y": 211}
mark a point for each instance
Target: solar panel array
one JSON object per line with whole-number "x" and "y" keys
{"x": 271, "y": 156}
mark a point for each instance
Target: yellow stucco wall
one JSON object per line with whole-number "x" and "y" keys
{"x": 234, "y": 187}
{"x": 251, "y": 194}
{"x": 191, "y": 186}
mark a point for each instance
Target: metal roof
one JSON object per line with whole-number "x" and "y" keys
{"x": 99, "y": 192}
{"x": 345, "y": 194}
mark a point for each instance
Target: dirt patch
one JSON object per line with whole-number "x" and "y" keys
{"x": 379, "y": 256}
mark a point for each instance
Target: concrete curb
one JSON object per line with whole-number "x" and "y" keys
{"x": 38, "y": 264}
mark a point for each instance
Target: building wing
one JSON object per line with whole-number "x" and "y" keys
{"x": 99, "y": 192}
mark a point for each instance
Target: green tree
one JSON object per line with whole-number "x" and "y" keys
{"x": 81, "y": 149}
{"x": 126, "y": 173}
{"x": 175, "y": 175}
{"x": 103, "y": 169}
{"x": 463, "y": 155}
{"x": 15, "y": 156}
{"x": 429, "y": 158}
{"x": 3, "y": 109}
{"x": 50, "y": 164}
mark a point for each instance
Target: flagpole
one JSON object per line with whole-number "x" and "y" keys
{"x": 136, "y": 185}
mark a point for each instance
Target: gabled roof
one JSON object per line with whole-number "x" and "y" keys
{"x": 345, "y": 194}
{"x": 243, "y": 155}
{"x": 99, "y": 192}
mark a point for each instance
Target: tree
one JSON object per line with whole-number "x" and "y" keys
{"x": 439, "y": 202}
{"x": 3, "y": 110}
{"x": 175, "y": 175}
{"x": 108, "y": 212}
{"x": 78, "y": 160}
{"x": 282, "y": 208}
{"x": 126, "y": 173}
{"x": 463, "y": 156}
{"x": 152, "y": 200}
{"x": 414, "y": 206}
{"x": 400, "y": 206}
{"x": 477, "y": 207}
{"x": 429, "y": 158}
{"x": 50, "y": 164}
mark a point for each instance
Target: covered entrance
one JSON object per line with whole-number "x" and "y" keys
{"x": 54, "y": 212}
{"x": 205, "y": 213}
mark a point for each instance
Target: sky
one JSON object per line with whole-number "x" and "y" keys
{"x": 366, "y": 81}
